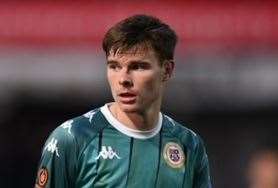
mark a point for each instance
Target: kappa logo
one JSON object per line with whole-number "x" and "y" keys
{"x": 90, "y": 115}
{"x": 67, "y": 125}
{"x": 52, "y": 146}
{"x": 107, "y": 153}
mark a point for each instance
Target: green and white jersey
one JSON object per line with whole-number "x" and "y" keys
{"x": 96, "y": 150}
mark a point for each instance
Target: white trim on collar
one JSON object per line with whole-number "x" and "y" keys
{"x": 128, "y": 131}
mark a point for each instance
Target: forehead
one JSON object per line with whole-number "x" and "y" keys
{"x": 137, "y": 53}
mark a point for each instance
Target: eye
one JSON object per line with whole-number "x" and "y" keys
{"x": 140, "y": 66}
{"x": 113, "y": 66}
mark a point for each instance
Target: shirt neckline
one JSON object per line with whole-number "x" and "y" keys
{"x": 128, "y": 131}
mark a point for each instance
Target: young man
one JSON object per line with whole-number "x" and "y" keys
{"x": 129, "y": 142}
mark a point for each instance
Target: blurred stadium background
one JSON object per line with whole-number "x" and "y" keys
{"x": 225, "y": 87}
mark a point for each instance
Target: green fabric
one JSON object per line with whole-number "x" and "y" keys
{"x": 144, "y": 163}
{"x": 91, "y": 153}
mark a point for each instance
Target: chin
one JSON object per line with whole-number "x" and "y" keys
{"x": 129, "y": 108}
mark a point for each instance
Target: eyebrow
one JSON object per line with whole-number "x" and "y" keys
{"x": 131, "y": 62}
{"x": 139, "y": 62}
{"x": 112, "y": 62}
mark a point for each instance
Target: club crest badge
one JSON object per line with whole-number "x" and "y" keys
{"x": 174, "y": 155}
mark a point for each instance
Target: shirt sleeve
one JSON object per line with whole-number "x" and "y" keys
{"x": 202, "y": 173}
{"x": 57, "y": 164}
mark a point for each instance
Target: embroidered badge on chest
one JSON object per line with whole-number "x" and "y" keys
{"x": 174, "y": 155}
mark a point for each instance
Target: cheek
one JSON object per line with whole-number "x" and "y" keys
{"x": 111, "y": 80}
{"x": 152, "y": 85}
{"x": 110, "y": 77}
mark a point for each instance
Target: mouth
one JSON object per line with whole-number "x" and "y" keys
{"x": 127, "y": 97}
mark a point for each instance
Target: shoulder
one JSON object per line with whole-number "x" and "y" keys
{"x": 79, "y": 131}
{"x": 187, "y": 137}
{"x": 86, "y": 125}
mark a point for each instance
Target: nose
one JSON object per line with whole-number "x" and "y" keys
{"x": 125, "y": 79}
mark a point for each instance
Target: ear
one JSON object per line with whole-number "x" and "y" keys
{"x": 168, "y": 68}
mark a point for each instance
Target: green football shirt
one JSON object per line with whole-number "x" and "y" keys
{"x": 96, "y": 150}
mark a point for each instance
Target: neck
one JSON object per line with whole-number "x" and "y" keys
{"x": 143, "y": 121}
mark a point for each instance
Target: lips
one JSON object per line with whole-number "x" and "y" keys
{"x": 127, "y": 97}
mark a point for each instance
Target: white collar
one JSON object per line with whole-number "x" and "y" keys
{"x": 128, "y": 131}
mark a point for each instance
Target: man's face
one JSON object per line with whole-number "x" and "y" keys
{"x": 136, "y": 79}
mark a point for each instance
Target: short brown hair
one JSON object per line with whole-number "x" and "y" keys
{"x": 141, "y": 29}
